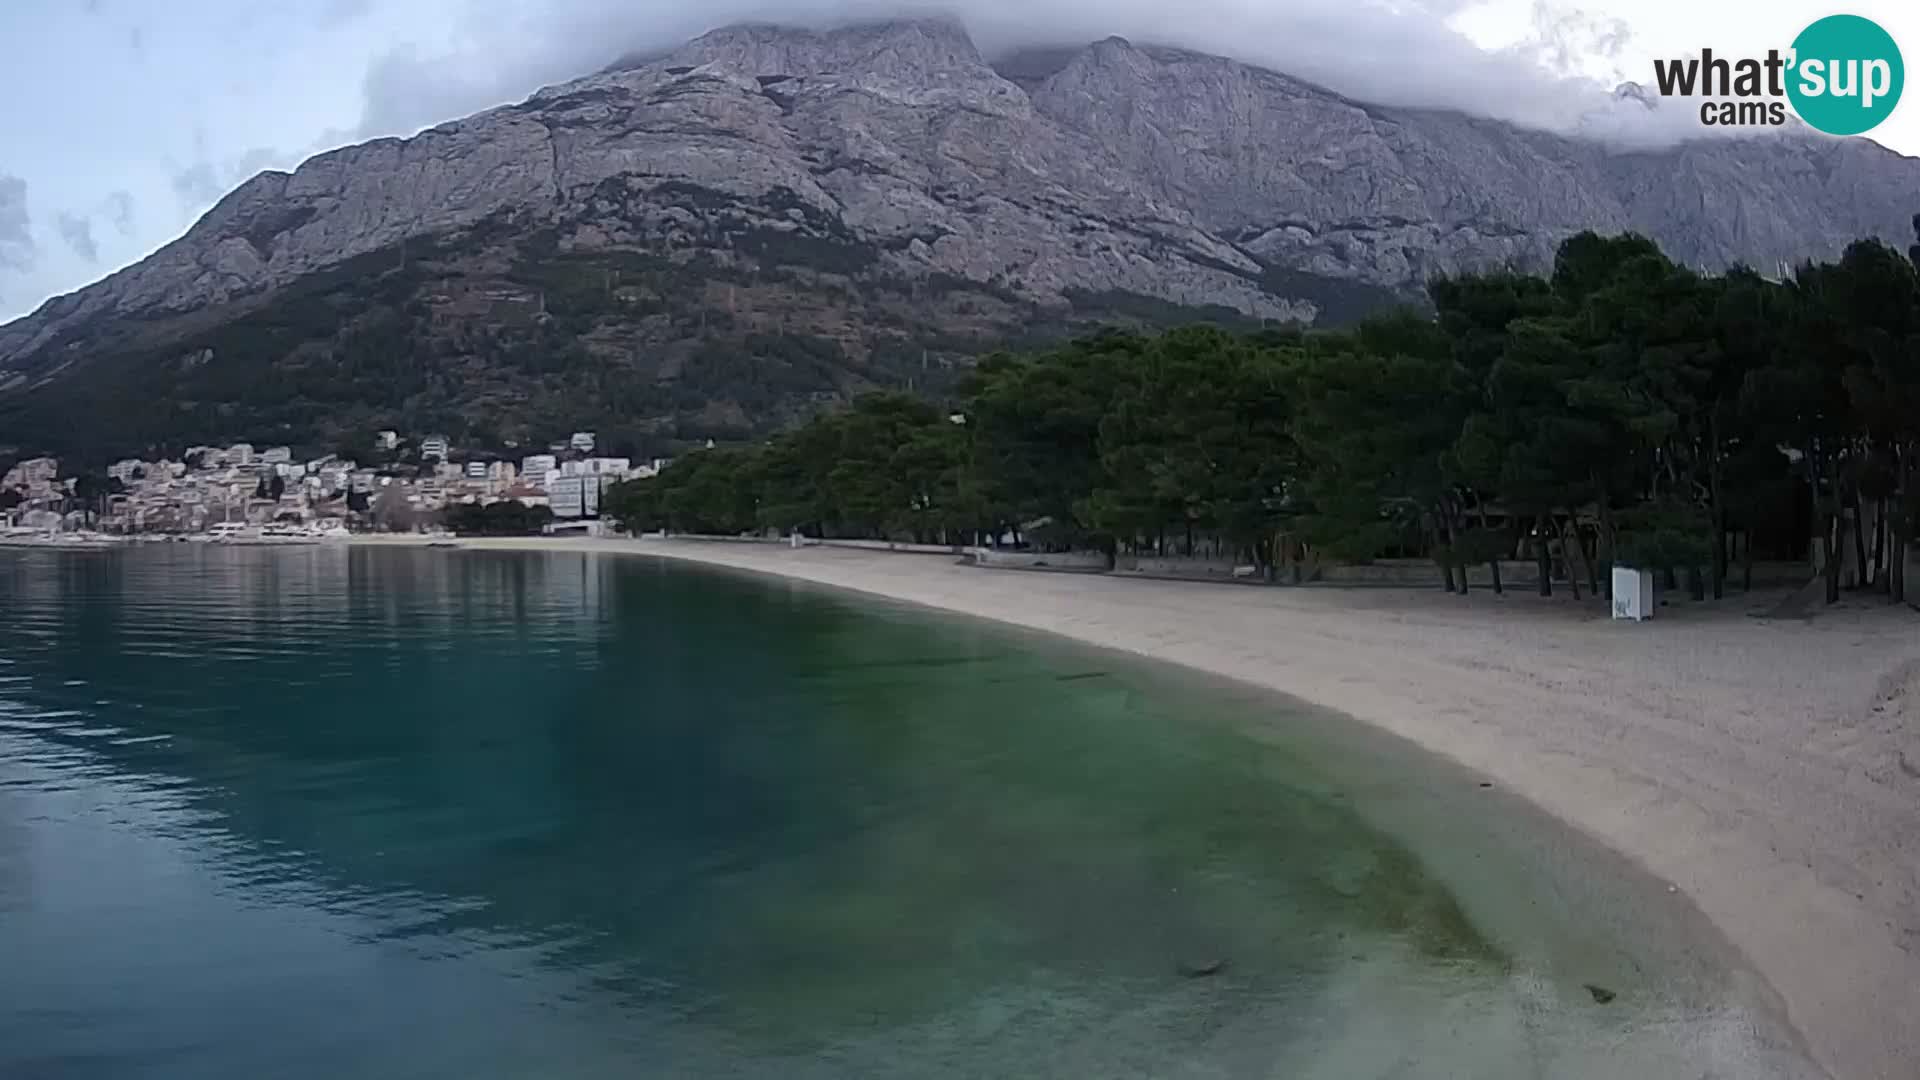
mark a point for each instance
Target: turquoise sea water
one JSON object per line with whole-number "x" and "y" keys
{"x": 381, "y": 813}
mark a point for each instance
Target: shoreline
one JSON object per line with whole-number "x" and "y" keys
{"x": 1768, "y": 769}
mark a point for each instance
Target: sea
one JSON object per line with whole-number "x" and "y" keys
{"x": 351, "y": 811}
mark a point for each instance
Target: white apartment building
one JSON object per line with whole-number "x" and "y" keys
{"x": 538, "y": 465}
{"x": 277, "y": 455}
{"x": 582, "y": 441}
{"x": 610, "y": 468}
{"x": 574, "y": 496}
{"x": 434, "y": 446}
{"x": 34, "y": 476}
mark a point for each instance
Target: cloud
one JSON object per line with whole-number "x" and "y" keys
{"x": 1571, "y": 41}
{"x": 119, "y": 211}
{"x": 196, "y": 186}
{"x": 17, "y": 249}
{"x": 77, "y": 231}
{"x": 337, "y": 12}
{"x": 255, "y": 161}
{"x": 1390, "y": 52}
{"x": 199, "y": 185}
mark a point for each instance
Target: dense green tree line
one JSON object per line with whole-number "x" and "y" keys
{"x": 1623, "y": 408}
{"x": 504, "y": 518}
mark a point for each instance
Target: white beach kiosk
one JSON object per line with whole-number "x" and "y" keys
{"x": 1632, "y": 594}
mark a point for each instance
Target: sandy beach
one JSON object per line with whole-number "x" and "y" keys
{"x": 1769, "y": 769}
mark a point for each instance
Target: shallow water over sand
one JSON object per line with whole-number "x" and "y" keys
{"x": 324, "y": 812}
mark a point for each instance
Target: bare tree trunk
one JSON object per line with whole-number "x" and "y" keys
{"x": 1746, "y": 560}
{"x": 1542, "y": 556}
{"x": 1898, "y": 580}
{"x": 1437, "y": 537}
{"x": 1832, "y": 542}
{"x": 1719, "y": 567}
{"x": 1570, "y": 542}
{"x": 1718, "y": 513}
{"x": 1603, "y": 561}
{"x": 1453, "y": 543}
{"x": 1897, "y": 573}
{"x": 1903, "y": 499}
{"x": 1859, "y": 540}
{"x": 1494, "y": 554}
{"x": 1880, "y": 544}
{"x": 1829, "y": 514}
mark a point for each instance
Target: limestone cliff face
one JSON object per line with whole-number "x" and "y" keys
{"x": 1185, "y": 178}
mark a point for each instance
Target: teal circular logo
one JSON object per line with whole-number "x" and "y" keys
{"x": 1846, "y": 75}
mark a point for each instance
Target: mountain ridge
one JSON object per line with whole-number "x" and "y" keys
{"x": 882, "y": 157}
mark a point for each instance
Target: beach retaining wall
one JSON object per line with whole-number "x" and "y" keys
{"x": 1003, "y": 559}
{"x": 1420, "y": 573}
{"x": 1401, "y": 573}
{"x": 1175, "y": 566}
{"x": 808, "y": 541}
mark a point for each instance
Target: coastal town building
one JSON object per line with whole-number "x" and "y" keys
{"x": 527, "y": 494}
{"x": 32, "y": 478}
{"x": 574, "y": 496}
{"x": 242, "y": 485}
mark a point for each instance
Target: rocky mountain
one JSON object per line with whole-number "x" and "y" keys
{"x": 715, "y": 240}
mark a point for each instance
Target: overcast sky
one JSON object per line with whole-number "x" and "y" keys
{"x": 127, "y": 119}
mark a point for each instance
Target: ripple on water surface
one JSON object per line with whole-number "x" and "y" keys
{"x": 323, "y": 812}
